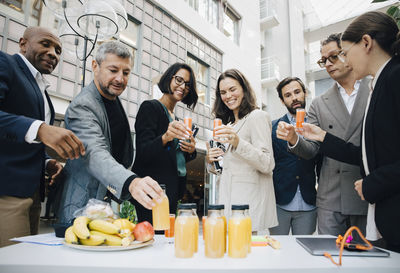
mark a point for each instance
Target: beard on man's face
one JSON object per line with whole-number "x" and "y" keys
{"x": 105, "y": 89}
{"x": 295, "y": 105}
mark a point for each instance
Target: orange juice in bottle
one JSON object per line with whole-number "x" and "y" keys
{"x": 196, "y": 231}
{"x": 248, "y": 226}
{"x": 237, "y": 233}
{"x": 214, "y": 240}
{"x": 222, "y": 209}
{"x": 185, "y": 225}
{"x": 161, "y": 213}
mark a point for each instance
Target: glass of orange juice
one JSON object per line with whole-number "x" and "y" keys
{"x": 169, "y": 233}
{"x": 161, "y": 213}
{"x": 214, "y": 242}
{"x": 185, "y": 226}
{"x": 237, "y": 233}
{"x": 203, "y": 220}
{"x": 300, "y": 115}
{"x": 188, "y": 123}
{"x": 217, "y": 122}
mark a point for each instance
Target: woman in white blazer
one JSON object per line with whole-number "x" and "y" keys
{"x": 248, "y": 161}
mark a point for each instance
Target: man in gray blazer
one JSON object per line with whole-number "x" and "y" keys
{"x": 339, "y": 111}
{"x": 97, "y": 117}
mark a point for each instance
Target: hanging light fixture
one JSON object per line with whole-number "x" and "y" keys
{"x": 84, "y": 22}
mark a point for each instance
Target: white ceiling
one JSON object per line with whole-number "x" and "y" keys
{"x": 321, "y": 13}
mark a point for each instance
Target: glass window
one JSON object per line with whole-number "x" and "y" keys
{"x": 130, "y": 34}
{"x": 208, "y": 9}
{"x": 201, "y": 72}
{"x": 231, "y": 25}
{"x": 14, "y": 4}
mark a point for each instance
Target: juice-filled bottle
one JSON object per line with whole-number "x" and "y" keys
{"x": 237, "y": 235}
{"x": 214, "y": 240}
{"x": 185, "y": 226}
{"x": 248, "y": 225}
{"x": 222, "y": 209}
{"x": 161, "y": 213}
{"x": 196, "y": 232}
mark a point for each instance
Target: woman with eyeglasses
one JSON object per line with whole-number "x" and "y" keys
{"x": 371, "y": 45}
{"x": 164, "y": 144}
{"x": 246, "y": 177}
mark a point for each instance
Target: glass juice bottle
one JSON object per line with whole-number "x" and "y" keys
{"x": 248, "y": 225}
{"x": 161, "y": 213}
{"x": 237, "y": 233}
{"x": 214, "y": 241}
{"x": 225, "y": 224}
{"x": 196, "y": 232}
{"x": 185, "y": 226}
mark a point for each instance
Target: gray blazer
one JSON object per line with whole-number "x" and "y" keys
{"x": 92, "y": 174}
{"x": 336, "y": 183}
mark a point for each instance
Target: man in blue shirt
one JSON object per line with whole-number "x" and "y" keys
{"x": 294, "y": 177}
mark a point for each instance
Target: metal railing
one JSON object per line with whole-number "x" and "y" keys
{"x": 269, "y": 68}
{"x": 267, "y": 8}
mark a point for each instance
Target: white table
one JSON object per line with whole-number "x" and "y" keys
{"x": 159, "y": 257}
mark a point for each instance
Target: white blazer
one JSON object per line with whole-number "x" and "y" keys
{"x": 247, "y": 171}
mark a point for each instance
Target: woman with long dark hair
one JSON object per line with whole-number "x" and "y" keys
{"x": 248, "y": 162}
{"x": 371, "y": 45}
{"x": 162, "y": 149}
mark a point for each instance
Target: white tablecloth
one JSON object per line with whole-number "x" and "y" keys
{"x": 159, "y": 257}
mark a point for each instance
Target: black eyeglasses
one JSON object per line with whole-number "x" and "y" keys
{"x": 333, "y": 59}
{"x": 179, "y": 81}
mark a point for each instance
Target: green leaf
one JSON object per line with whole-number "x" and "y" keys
{"x": 378, "y": 1}
{"x": 392, "y": 10}
{"x": 128, "y": 211}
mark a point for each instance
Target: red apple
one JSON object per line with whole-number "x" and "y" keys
{"x": 143, "y": 231}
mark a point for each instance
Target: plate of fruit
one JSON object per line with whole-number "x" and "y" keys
{"x": 107, "y": 235}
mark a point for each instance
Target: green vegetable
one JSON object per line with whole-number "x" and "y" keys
{"x": 128, "y": 211}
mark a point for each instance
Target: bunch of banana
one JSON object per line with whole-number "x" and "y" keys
{"x": 98, "y": 231}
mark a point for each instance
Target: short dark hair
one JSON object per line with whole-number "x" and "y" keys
{"x": 285, "y": 82}
{"x": 220, "y": 110}
{"x": 335, "y": 37}
{"x": 165, "y": 81}
{"x": 380, "y": 26}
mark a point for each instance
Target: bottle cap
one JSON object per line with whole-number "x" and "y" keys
{"x": 238, "y": 207}
{"x": 185, "y": 206}
{"x": 215, "y": 207}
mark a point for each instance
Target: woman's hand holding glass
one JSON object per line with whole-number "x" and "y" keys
{"x": 213, "y": 154}
{"x": 188, "y": 146}
{"x": 176, "y": 129}
{"x": 312, "y": 132}
{"x": 226, "y": 134}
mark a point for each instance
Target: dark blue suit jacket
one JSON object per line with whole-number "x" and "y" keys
{"x": 21, "y": 103}
{"x": 291, "y": 171}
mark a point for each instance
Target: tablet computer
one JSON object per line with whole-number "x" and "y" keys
{"x": 318, "y": 246}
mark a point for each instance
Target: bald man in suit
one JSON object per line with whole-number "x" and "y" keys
{"x": 26, "y": 115}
